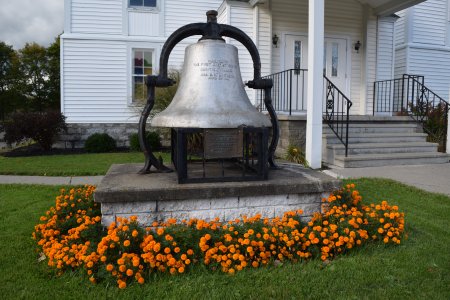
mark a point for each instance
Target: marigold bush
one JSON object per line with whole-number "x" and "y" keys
{"x": 71, "y": 238}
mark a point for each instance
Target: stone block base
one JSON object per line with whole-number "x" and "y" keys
{"x": 158, "y": 196}
{"x": 292, "y": 132}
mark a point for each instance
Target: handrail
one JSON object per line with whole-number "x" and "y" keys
{"x": 336, "y": 111}
{"x": 409, "y": 96}
{"x": 288, "y": 92}
{"x": 432, "y": 111}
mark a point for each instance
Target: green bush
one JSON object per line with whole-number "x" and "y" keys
{"x": 152, "y": 137}
{"x": 42, "y": 127}
{"x": 100, "y": 142}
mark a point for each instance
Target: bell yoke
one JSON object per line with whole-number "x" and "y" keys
{"x": 211, "y": 95}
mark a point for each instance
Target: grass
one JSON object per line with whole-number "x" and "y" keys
{"x": 69, "y": 165}
{"x": 419, "y": 268}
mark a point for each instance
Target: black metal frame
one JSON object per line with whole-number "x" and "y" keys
{"x": 252, "y": 168}
{"x": 337, "y": 112}
{"x": 409, "y": 96}
{"x": 209, "y": 30}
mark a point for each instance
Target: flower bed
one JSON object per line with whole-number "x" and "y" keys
{"x": 71, "y": 237}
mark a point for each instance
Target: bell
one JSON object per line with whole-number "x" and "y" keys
{"x": 211, "y": 93}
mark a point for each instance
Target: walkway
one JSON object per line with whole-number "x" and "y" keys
{"x": 433, "y": 178}
{"x": 48, "y": 180}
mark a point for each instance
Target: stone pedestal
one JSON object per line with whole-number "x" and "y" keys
{"x": 158, "y": 196}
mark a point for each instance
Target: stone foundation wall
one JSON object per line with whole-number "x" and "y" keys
{"x": 292, "y": 132}
{"x": 77, "y": 133}
{"x": 269, "y": 206}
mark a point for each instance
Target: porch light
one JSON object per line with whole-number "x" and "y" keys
{"x": 275, "y": 41}
{"x": 357, "y": 46}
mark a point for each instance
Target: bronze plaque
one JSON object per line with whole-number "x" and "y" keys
{"x": 222, "y": 143}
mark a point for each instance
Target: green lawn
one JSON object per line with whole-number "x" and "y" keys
{"x": 419, "y": 268}
{"x": 69, "y": 165}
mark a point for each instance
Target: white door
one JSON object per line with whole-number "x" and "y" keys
{"x": 335, "y": 64}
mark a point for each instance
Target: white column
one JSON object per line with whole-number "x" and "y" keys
{"x": 315, "y": 83}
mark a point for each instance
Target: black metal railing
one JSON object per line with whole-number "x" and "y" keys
{"x": 289, "y": 96}
{"x": 408, "y": 96}
{"x": 336, "y": 111}
{"x": 288, "y": 92}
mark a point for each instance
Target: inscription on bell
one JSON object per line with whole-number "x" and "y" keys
{"x": 222, "y": 143}
{"x": 216, "y": 69}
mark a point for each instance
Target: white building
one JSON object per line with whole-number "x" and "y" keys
{"x": 422, "y": 44}
{"x": 109, "y": 46}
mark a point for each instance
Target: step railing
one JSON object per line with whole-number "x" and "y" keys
{"x": 289, "y": 96}
{"x": 408, "y": 96}
{"x": 288, "y": 92}
{"x": 336, "y": 112}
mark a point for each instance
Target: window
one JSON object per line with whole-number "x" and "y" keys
{"x": 142, "y": 66}
{"x": 143, "y": 3}
{"x": 334, "y": 59}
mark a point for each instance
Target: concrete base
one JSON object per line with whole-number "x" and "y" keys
{"x": 158, "y": 196}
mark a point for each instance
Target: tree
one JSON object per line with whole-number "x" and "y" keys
{"x": 53, "y": 70}
{"x": 10, "y": 97}
{"x": 34, "y": 67}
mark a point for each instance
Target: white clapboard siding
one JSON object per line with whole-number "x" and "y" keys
{"x": 385, "y": 49}
{"x": 97, "y": 16}
{"x": 144, "y": 23}
{"x": 95, "y": 80}
{"x": 400, "y": 28}
{"x": 434, "y": 65}
{"x": 371, "y": 66}
{"x": 400, "y": 66}
{"x": 265, "y": 38}
{"x": 430, "y": 22}
{"x": 343, "y": 18}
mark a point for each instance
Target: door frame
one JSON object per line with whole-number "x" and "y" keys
{"x": 348, "y": 70}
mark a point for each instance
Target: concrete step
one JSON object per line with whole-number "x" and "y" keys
{"x": 379, "y": 148}
{"x": 377, "y": 160}
{"x": 377, "y": 138}
{"x": 377, "y": 128}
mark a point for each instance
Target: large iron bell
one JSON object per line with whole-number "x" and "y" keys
{"x": 211, "y": 93}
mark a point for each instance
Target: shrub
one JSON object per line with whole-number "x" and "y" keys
{"x": 42, "y": 127}
{"x": 100, "y": 142}
{"x": 71, "y": 237}
{"x": 296, "y": 155}
{"x": 152, "y": 137}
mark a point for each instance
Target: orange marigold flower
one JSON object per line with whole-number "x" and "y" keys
{"x": 130, "y": 272}
{"x": 109, "y": 267}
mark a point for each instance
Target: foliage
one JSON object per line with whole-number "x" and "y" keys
{"x": 70, "y": 238}
{"x": 29, "y": 78}
{"x": 417, "y": 268}
{"x": 296, "y": 155}
{"x": 100, "y": 142}
{"x": 42, "y": 127}
{"x": 152, "y": 137}
{"x": 163, "y": 96}
{"x": 436, "y": 123}
{"x": 9, "y": 75}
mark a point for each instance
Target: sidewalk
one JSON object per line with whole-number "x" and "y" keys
{"x": 48, "y": 180}
{"x": 433, "y": 178}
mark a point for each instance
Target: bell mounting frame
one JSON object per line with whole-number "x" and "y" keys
{"x": 213, "y": 31}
